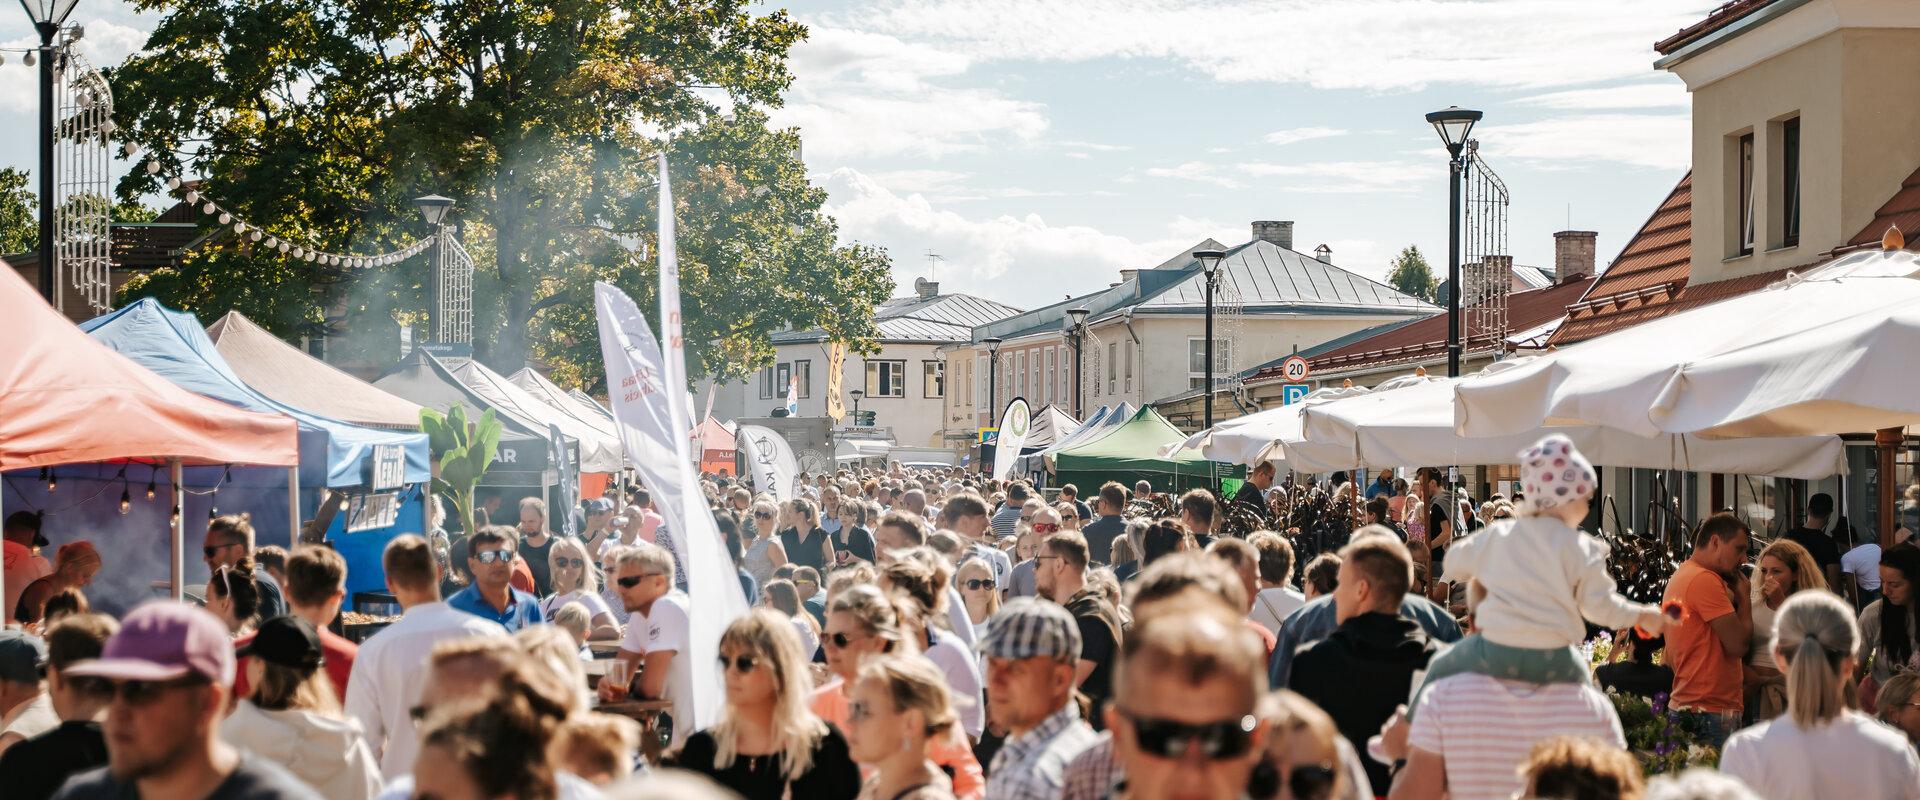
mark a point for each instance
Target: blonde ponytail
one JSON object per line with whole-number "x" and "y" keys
{"x": 1815, "y": 632}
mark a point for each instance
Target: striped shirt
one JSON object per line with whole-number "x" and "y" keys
{"x": 1484, "y": 728}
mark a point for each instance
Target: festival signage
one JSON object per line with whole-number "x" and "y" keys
{"x": 1014, "y": 427}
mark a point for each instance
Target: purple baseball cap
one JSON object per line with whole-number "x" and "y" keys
{"x": 163, "y": 641}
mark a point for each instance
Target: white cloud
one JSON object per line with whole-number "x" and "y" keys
{"x": 1670, "y": 94}
{"x": 861, "y": 94}
{"x": 1379, "y": 45}
{"x": 1197, "y": 171}
{"x": 1658, "y": 141}
{"x": 1292, "y": 135}
{"x": 1319, "y": 177}
{"x": 106, "y": 44}
{"x": 1099, "y": 147}
{"x": 918, "y": 180}
{"x": 982, "y": 250}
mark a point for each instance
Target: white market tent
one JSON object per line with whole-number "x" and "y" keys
{"x": 1088, "y": 433}
{"x": 598, "y": 453}
{"x": 1412, "y": 425}
{"x": 557, "y": 398}
{"x": 1265, "y": 436}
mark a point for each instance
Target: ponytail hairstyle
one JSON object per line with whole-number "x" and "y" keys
{"x": 236, "y": 584}
{"x": 1815, "y": 634}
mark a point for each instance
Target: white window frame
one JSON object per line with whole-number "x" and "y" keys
{"x": 877, "y": 382}
{"x": 1222, "y": 360}
{"x": 803, "y": 374}
{"x": 1128, "y": 368}
{"x": 933, "y": 379}
{"x": 1113, "y": 367}
{"x": 1052, "y": 371}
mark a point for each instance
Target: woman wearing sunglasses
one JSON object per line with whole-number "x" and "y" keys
{"x": 574, "y": 580}
{"x": 899, "y": 703}
{"x": 766, "y": 552}
{"x": 1303, "y": 758}
{"x": 975, "y": 579}
{"x": 768, "y": 745}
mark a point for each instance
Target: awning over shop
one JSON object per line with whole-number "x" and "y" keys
{"x": 65, "y": 399}
{"x": 287, "y": 374}
{"x": 172, "y": 344}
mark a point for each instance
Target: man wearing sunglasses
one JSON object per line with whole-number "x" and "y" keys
{"x": 1032, "y": 647}
{"x": 659, "y": 632}
{"x": 165, "y": 676}
{"x": 229, "y": 541}
{"x": 1043, "y": 522}
{"x": 1184, "y": 718}
{"x": 492, "y": 596}
{"x": 36, "y": 768}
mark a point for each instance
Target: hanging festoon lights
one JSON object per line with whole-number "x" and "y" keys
{"x": 284, "y": 245}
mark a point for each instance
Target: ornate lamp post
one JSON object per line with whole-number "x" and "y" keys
{"x": 1454, "y": 124}
{"x": 1077, "y": 331}
{"x": 47, "y": 16}
{"x": 993, "y": 399}
{"x": 1210, "y": 264}
{"x": 434, "y": 208}
{"x": 856, "y": 394}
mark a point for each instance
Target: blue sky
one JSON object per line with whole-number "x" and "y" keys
{"x": 1038, "y": 146}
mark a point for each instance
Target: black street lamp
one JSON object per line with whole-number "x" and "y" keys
{"x": 47, "y": 16}
{"x": 434, "y": 208}
{"x": 1454, "y": 124}
{"x": 856, "y": 395}
{"x": 1077, "y": 331}
{"x": 1210, "y": 264}
{"x": 993, "y": 400}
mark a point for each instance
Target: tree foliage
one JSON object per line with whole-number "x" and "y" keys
{"x": 324, "y": 120}
{"x": 1410, "y": 274}
{"x": 19, "y": 213}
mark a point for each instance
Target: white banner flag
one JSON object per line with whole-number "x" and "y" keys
{"x": 769, "y": 460}
{"x": 1014, "y": 427}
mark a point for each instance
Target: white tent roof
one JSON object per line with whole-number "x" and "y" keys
{"x": 598, "y": 451}
{"x": 1828, "y": 352}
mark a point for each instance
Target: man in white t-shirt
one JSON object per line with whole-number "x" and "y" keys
{"x": 1861, "y": 567}
{"x": 1471, "y": 733}
{"x": 658, "y": 634}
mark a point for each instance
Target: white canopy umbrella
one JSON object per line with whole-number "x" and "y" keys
{"x": 1259, "y": 436}
{"x": 1824, "y": 353}
{"x": 1413, "y": 426}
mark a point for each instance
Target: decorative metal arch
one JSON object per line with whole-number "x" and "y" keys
{"x": 454, "y": 270}
{"x": 1485, "y": 262}
{"x": 83, "y": 210}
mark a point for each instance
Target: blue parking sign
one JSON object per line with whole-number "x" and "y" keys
{"x": 1291, "y": 393}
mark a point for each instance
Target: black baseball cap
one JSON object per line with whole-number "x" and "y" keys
{"x": 288, "y": 640}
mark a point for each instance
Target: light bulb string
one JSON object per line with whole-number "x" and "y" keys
{"x": 289, "y": 246}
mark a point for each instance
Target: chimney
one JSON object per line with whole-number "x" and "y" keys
{"x": 1323, "y": 254}
{"x": 1277, "y": 232}
{"x": 925, "y": 289}
{"x": 1573, "y": 255}
{"x": 1127, "y": 275}
{"x": 1500, "y": 272}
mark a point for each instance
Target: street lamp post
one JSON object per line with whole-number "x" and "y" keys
{"x": 1210, "y": 264}
{"x": 1077, "y": 328}
{"x": 993, "y": 399}
{"x": 856, "y": 395}
{"x": 47, "y": 16}
{"x": 434, "y": 208}
{"x": 1454, "y": 124}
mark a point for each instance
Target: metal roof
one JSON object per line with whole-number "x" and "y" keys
{"x": 940, "y": 318}
{"x": 1269, "y": 277}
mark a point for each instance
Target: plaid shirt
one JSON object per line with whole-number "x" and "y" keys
{"x": 1031, "y": 766}
{"x": 1092, "y": 774}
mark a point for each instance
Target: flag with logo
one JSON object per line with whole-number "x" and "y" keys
{"x": 770, "y": 460}
{"x": 1014, "y": 427}
{"x": 836, "y": 383}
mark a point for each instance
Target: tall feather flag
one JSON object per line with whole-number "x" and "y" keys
{"x": 650, "y": 401}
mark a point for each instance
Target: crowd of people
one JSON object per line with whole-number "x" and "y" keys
{"x": 932, "y": 634}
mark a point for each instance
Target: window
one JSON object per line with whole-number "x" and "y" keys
{"x": 1197, "y": 360}
{"x": 1790, "y": 183}
{"x": 1053, "y": 369}
{"x": 1095, "y": 364}
{"x": 886, "y": 379}
{"x": 1128, "y": 367}
{"x": 803, "y": 373}
{"x": 1743, "y": 213}
{"x": 1113, "y": 364}
{"x": 933, "y": 378}
{"x": 783, "y": 377}
{"x": 1020, "y": 376}
{"x": 766, "y": 383}
{"x": 979, "y": 388}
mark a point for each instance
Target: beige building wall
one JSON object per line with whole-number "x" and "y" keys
{"x": 1837, "y": 67}
{"x": 914, "y": 418}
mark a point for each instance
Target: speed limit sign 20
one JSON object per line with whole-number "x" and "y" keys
{"x": 1294, "y": 369}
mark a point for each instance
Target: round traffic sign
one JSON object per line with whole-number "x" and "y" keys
{"x": 1294, "y": 369}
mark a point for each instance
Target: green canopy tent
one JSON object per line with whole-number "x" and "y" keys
{"x": 1131, "y": 453}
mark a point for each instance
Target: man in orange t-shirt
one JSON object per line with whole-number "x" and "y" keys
{"x": 1706, "y": 645}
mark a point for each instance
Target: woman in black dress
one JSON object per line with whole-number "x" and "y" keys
{"x": 768, "y": 744}
{"x": 807, "y": 544}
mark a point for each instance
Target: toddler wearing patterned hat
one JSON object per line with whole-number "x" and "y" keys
{"x": 1536, "y": 577}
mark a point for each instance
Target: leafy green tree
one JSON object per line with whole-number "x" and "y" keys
{"x": 323, "y": 120}
{"x": 1410, "y": 274}
{"x": 19, "y": 213}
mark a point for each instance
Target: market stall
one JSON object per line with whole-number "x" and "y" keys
{"x": 600, "y": 450}
{"x": 288, "y": 374}
{"x": 1131, "y": 452}
{"x": 717, "y": 446}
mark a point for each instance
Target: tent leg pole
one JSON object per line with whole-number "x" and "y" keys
{"x": 179, "y": 531}
{"x": 1886, "y": 443}
{"x": 5, "y": 614}
{"x": 294, "y": 539}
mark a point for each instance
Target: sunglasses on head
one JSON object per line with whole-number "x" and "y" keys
{"x": 634, "y": 580}
{"x": 1216, "y": 740}
{"x": 980, "y": 583}
{"x": 493, "y": 556}
{"x": 576, "y": 563}
{"x": 137, "y": 693}
{"x": 741, "y": 664}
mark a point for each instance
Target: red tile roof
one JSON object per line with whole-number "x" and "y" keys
{"x": 1427, "y": 337}
{"x": 1650, "y": 270}
{"x": 1727, "y": 14}
{"x": 1902, "y": 210}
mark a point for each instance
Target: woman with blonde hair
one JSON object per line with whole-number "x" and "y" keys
{"x": 899, "y": 704}
{"x": 1069, "y": 515}
{"x": 1900, "y": 705}
{"x": 1784, "y": 568}
{"x": 292, "y": 716}
{"x": 781, "y": 595}
{"x": 766, "y": 552}
{"x": 1820, "y": 747}
{"x": 974, "y": 579}
{"x": 74, "y": 565}
{"x": 768, "y": 745}
{"x": 573, "y": 579}
{"x": 1304, "y": 758}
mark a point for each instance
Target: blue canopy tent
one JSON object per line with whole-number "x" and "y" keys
{"x": 334, "y": 455}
